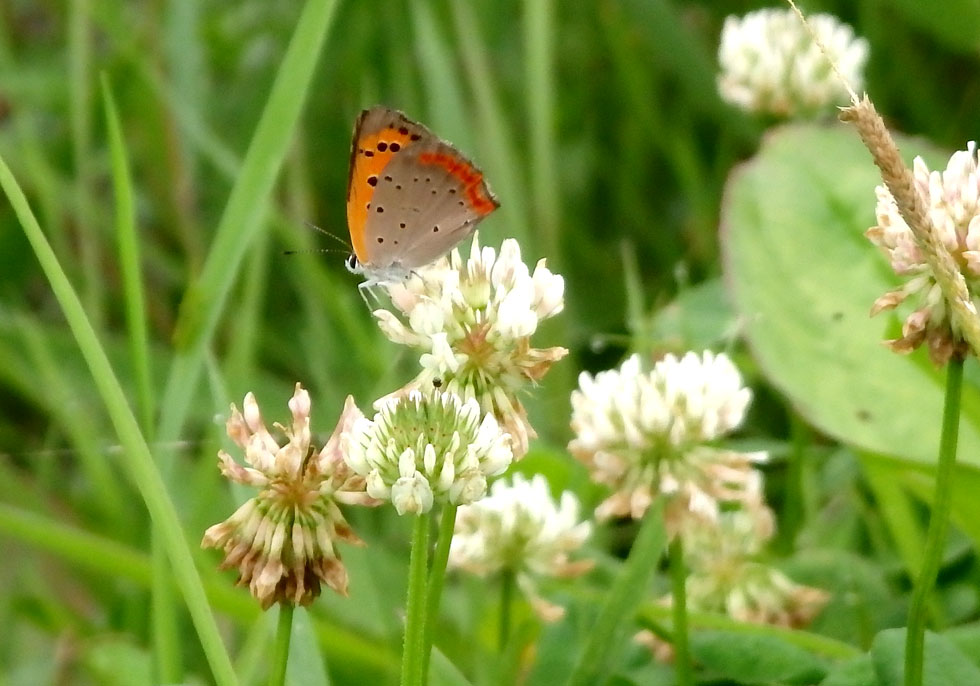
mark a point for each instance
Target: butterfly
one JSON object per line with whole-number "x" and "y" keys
{"x": 411, "y": 197}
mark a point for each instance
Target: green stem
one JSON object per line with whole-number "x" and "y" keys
{"x": 506, "y": 600}
{"x": 437, "y": 577}
{"x": 280, "y": 649}
{"x": 678, "y": 582}
{"x": 938, "y": 525}
{"x": 412, "y": 648}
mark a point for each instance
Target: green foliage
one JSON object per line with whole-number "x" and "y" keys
{"x": 163, "y": 156}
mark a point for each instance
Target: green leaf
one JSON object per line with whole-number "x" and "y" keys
{"x": 955, "y": 23}
{"x": 444, "y": 672}
{"x": 700, "y": 317}
{"x": 857, "y": 672}
{"x": 755, "y": 659}
{"x": 803, "y": 278}
{"x": 967, "y": 639}
{"x": 305, "y": 666}
{"x": 944, "y": 664}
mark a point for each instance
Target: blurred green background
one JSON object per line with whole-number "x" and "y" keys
{"x": 597, "y": 124}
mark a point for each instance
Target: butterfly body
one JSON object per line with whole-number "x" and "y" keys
{"x": 411, "y": 196}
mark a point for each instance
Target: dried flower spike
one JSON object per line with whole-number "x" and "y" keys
{"x": 420, "y": 448}
{"x": 771, "y": 64}
{"x": 952, "y": 209}
{"x": 520, "y": 529}
{"x": 473, "y": 321}
{"x": 651, "y": 434}
{"x": 283, "y": 541}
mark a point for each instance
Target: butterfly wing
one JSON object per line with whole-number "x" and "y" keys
{"x": 428, "y": 199}
{"x": 414, "y": 197}
{"x": 379, "y": 135}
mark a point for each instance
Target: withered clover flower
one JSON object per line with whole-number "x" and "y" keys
{"x": 283, "y": 540}
{"x": 473, "y": 321}
{"x": 651, "y": 435}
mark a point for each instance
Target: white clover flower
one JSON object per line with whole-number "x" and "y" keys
{"x": 473, "y": 321}
{"x": 283, "y": 540}
{"x": 649, "y": 434}
{"x": 726, "y": 576}
{"x": 952, "y": 199}
{"x": 520, "y": 529}
{"x": 422, "y": 448}
{"x": 770, "y": 63}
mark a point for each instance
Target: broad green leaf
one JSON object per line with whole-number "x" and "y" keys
{"x": 967, "y": 639}
{"x": 857, "y": 672}
{"x": 955, "y": 23}
{"x": 755, "y": 659}
{"x": 305, "y": 665}
{"x": 700, "y": 317}
{"x": 944, "y": 664}
{"x": 920, "y": 480}
{"x": 444, "y": 673}
{"x": 803, "y": 279}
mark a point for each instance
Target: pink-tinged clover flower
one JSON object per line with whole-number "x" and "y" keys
{"x": 283, "y": 540}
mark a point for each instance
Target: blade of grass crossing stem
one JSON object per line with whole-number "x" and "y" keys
{"x": 138, "y": 459}
{"x": 616, "y": 615}
{"x": 205, "y": 300}
{"x": 501, "y": 161}
{"x": 166, "y": 634}
{"x": 540, "y": 89}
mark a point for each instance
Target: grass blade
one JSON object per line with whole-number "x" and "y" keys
{"x": 139, "y": 460}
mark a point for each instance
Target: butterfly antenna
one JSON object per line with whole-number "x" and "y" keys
{"x": 307, "y": 251}
{"x": 340, "y": 240}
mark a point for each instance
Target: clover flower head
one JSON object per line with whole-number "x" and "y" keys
{"x": 283, "y": 541}
{"x": 473, "y": 320}
{"x": 952, "y": 200}
{"x": 422, "y": 448}
{"x": 651, "y": 434}
{"x": 726, "y": 575}
{"x": 520, "y": 529}
{"x": 771, "y": 64}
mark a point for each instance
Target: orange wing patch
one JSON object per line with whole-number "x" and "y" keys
{"x": 471, "y": 179}
{"x": 371, "y": 154}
